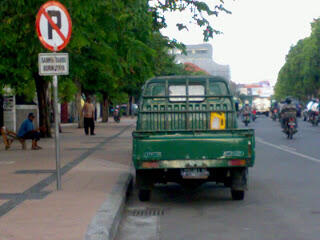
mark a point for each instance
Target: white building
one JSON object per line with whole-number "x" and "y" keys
{"x": 202, "y": 56}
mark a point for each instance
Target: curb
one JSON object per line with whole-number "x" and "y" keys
{"x": 104, "y": 224}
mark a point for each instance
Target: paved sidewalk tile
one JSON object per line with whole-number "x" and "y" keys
{"x": 48, "y": 214}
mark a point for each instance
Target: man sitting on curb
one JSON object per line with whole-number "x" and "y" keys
{"x": 27, "y": 131}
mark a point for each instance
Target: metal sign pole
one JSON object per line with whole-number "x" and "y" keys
{"x": 57, "y": 139}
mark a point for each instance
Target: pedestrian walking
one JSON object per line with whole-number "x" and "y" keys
{"x": 88, "y": 113}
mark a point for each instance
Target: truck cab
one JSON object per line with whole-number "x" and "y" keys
{"x": 187, "y": 133}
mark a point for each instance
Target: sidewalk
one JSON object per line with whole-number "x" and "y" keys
{"x": 30, "y": 206}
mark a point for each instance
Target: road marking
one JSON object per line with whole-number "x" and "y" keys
{"x": 286, "y": 149}
{"x": 289, "y": 148}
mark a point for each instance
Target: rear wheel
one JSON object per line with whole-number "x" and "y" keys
{"x": 246, "y": 123}
{"x": 239, "y": 183}
{"x": 290, "y": 133}
{"x": 144, "y": 195}
{"x": 237, "y": 195}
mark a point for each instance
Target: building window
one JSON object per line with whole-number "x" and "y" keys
{"x": 202, "y": 51}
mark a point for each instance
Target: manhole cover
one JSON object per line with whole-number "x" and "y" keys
{"x": 145, "y": 212}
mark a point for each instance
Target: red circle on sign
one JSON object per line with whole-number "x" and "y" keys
{"x": 65, "y": 39}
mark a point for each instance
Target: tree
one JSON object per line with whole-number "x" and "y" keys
{"x": 19, "y": 52}
{"x": 300, "y": 76}
{"x": 115, "y": 46}
{"x": 200, "y": 13}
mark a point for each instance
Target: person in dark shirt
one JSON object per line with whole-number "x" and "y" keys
{"x": 27, "y": 131}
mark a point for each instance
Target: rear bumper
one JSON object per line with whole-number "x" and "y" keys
{"x": 147, "y": 178}
{"x": 181, "y": 164}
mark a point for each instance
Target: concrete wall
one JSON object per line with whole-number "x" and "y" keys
{"x": 9, "y": 112}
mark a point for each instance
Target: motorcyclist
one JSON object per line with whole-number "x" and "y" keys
{"x": 289, "y": 110}
{"x": 246, "y": 110}
{"x": 274, "y": 109}
{"x": 314, "y": 108}
{"x": 254, "y": 113}
{"x": 117, "y": 113}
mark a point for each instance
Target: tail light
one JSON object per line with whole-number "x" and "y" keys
{"x": 237, "y": 162}
{"x": 150, "y": 165}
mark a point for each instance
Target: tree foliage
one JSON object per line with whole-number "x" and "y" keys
{"x": 200, "y": 11}
{"x": 115, "y": 46}
{"x": 300, "y": 75}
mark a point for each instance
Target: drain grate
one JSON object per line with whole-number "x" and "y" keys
{"x": 145, "y": 212}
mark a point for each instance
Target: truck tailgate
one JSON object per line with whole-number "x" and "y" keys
{"x": 207, "y": 149}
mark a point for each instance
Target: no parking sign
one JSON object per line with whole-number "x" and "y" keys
{"x": 53, "y": 26}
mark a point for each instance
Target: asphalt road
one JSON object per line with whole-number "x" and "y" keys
{"x": 283, "y": 201}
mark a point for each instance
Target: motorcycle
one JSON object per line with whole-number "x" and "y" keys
{"x": 314, "y": 119}
{"x": 254, "y": 115}
{"x": 116, "y": 115}
{"x": 246, "y": 119}
{"x": 290, "y": 127}
{"x": 275, "y": 115}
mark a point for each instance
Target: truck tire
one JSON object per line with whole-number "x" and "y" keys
{"x": 237, "y": 195}
{"x": 239, "y": 183}
{"x": 144, "y": 195}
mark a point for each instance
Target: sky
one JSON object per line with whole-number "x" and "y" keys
{"x": 256, "y": 36}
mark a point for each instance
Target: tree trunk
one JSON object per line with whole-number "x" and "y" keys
{"x": 129, "y": 106}
{"x": 1, "y": 111}
{"x": 79, "y": 109}
{"x": 133, "y": 101}
{"x": 43, "y": 104}
{"x": 105, "y": 109}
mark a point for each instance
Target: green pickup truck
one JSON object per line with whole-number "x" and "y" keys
{"x": 187, "y": 133}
